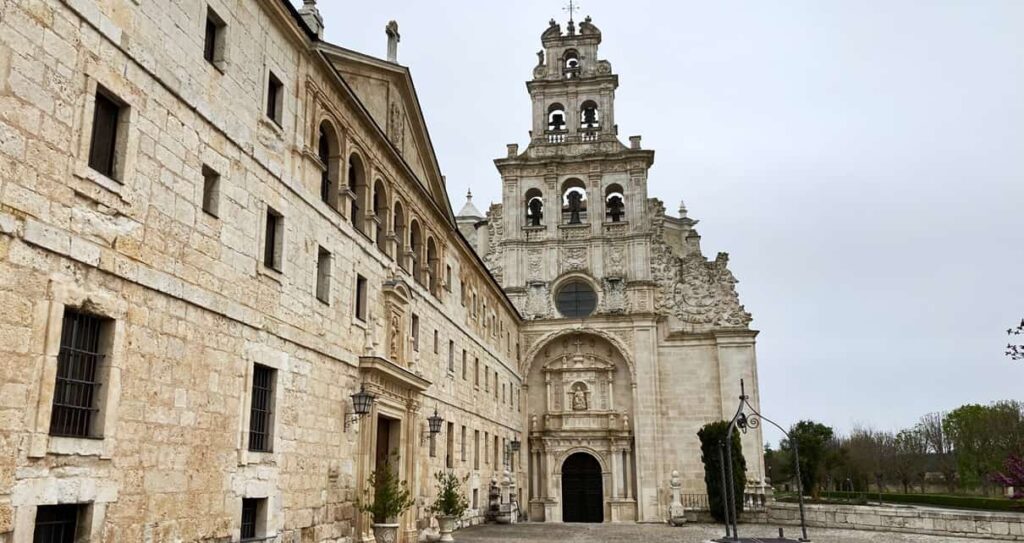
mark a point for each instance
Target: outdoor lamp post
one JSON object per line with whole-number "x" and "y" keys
{"x": 362, "y": 403}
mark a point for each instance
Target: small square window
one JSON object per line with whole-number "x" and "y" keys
{"x": 106, "y": 154}
{"x": 254, "y": 519}
{"x": 60, "y": 523}
{"x": 213, "y": 45}
{"x": 211, "y": 191}
{"x": 273, "y": 240}
{"x": 323, "y": 276}
{"x": 275, "y": 98}
{"x": 361, "y": 298}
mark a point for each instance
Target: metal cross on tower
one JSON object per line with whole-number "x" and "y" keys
{"x": 572, "y": 8}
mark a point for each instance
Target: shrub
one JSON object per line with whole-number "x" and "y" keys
{"x": 940, "y": 500}
{"x": 450, "y": 501}
{"x": 390, "y": 496}
{"x": 710, "y": 436}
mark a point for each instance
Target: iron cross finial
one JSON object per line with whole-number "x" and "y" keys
{"x": 572, "y": 8}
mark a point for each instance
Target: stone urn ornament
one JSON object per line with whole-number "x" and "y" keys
{"x": 386, "y": 498}
{"x": 450, "y": 503}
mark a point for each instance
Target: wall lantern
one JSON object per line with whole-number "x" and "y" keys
{"x": 362, "y": 403}
{"x": 433, "y": 428}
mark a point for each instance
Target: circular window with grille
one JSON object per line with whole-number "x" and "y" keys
{"x": 576, "y": 300}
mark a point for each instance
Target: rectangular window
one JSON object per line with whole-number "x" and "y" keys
{"x": 465, "y": 357}
{"x": 463, "y": 445}
{"x": 487, "y": 445}
{"x": 272, "y": 243}
{"x": 105, "y": 137}
{"x": 476, "y": 370}
{"x": 211, "y": 191}
{"x": 476, "y": 498}
{"x": 495, "y": 451}
{"x": 76, "y": 394}
{"x": 449, "y": 455}
{"x": 448, "y": 278}
{"x": 361, "y": 298}
{"x": 451, "y": 356}
{"x": 275, "y": 98}
{"x": 487, "y": 380}
{"x": 261, "y": 412}
{"x": 58, "y": 523}
{"x": 415, "y": 332}
{"x": 503, "y": 393}
{"x": 476, "y": 449}
{"x": 213, "y": 45}
{"x": 253, "y": 527}
{"x": 437, "y": 346}
{"x": 323, "y": 276}
{"x": 495, "y": 385}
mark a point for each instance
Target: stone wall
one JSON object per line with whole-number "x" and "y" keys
{"x": 976, "y": 524}
{"x": 192, "y": 307}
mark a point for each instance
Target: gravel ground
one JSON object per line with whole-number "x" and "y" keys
{"x": 657, "y": 533}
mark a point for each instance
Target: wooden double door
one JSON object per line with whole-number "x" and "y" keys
{"x": 582, "y": 489}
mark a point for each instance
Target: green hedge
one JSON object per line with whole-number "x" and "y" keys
{"x": 938, "y": 500}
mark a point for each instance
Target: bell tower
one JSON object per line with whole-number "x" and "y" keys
{"x": 570, "y": 242}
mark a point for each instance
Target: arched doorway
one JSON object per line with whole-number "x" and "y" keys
{"x": 582, "y": 489}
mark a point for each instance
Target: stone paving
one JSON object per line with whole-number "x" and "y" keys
{"x": 658, "y": 533}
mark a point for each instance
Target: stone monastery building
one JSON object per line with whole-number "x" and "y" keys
{"x": 221, "y": 237}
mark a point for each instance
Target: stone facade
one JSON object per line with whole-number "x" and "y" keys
{"x": 664, "y": 346}
{"x": 169, "y": 249}
{"x": 255, "y": 224}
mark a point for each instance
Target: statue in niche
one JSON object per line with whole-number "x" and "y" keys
{"x": 395, "y": 333}
{"x": 575, "y": 207}
{"x": 615, "y": 208}
{"x": 536, "y": 208}
{"x": 579, "y": 397}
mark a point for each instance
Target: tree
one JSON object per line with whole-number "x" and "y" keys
{"x": 983, "y": 437}
{"x": 939, "y": 446}
{"x": 812, "y": 441}
{"x": 911, "y": 450}
{"x": 1015, "y": 352}
{"x": 711, "y": 436}
{"x": 1012, "y": 476}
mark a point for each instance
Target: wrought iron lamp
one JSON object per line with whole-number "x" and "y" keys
{"x": 510, "y": 448}
{"x": 362, "y": 403}
{"x": 433, "y": 425}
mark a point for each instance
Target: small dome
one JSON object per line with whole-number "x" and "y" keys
{"x": 469, "y": 210}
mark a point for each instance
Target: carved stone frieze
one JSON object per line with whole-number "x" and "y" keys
{"x": 495, "y": 257}
{"x": 615, "y": 298}
{"x": 700, "y": 292}
{"x": 538, "y": 301}
{"x": 534, "y": 265}
{"x": 615, "y": 261}
{"x": 574, "y": 259}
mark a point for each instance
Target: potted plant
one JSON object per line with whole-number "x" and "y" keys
{"x": 391, "y": 497}
{"x": 450, "y": 503}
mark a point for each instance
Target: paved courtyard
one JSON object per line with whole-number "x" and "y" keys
{"x": 657, "y": 533}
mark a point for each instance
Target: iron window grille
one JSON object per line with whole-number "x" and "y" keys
{"x": 576, "y": 300}
{"x": 260, "y": 416}
{"x": 56, "y": 524}
{"x": 75, "y": 391}
{"x": 250, "y": 510}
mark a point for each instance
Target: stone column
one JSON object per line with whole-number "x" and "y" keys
{"x": 617, "y": 471}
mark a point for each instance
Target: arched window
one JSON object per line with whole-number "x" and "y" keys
{"x": 574, "y": 202}
{"x": 576, "y": 299}
{"x": 357, "y": 184}
{"x": 589, "y": 116}
{"x": 614, "y": 203}
{"x": 399, "y": 229}
{"x": 571, "y": 64}
{"x": 556, "y": 117}
{"x": 328, "y": 153}
{"x": 534, "y": 207}
{"x": 380, "y": 214}
{"x": 433, "y": 266}
{"x": 416, "y": 246}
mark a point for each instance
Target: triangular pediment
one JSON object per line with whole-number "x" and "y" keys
{"x": 387, "y": 93}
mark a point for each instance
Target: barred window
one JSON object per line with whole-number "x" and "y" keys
{"x": 57, "y": 523}
{"x": 252, "y": 511}
{"x": 261, "y": 415}
{"x": 76, "y": 394}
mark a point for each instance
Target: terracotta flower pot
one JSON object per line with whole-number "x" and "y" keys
{"x": 385, "y": 533}
{"x": 446, "y": 525}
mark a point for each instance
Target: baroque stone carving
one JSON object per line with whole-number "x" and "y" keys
{"x": 615, "y": 259}
{"x": 578, "y": 396}
{"x": 574, "y": 259}
{"x": 534, "y": 261}
{"x": 496, "y": 248}
{"x": 615, "y": 299}
{"x": 538, "y": 301}
{"x": 396, "y": 126}
{"x": 697, "y": 291}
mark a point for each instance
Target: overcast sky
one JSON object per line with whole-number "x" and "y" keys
{"x": 862, "y": 162}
